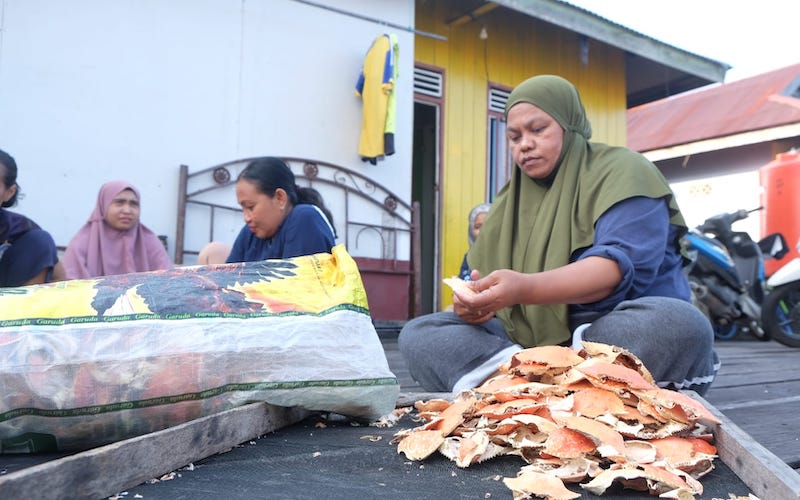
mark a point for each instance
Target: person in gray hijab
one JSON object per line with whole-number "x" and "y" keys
{"x": 476, "y": 217}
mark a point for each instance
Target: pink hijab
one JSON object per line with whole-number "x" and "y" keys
{"x": 100, "y": 250}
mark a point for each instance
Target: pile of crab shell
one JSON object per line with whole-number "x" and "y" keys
{"x": 593, "y": 417}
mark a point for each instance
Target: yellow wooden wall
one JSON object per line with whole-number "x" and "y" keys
{"x": 517, "y": 47}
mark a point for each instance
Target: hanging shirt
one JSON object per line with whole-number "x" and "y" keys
{"x": 391, "y": 111}
{"x": 375, "y": 85}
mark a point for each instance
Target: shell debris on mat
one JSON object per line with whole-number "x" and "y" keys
{"x": 593, "y": 417}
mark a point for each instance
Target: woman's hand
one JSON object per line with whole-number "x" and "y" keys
{"x": 498, "y": 290}
{"x": 584, "y": 281}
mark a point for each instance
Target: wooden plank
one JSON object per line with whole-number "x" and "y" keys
{"x": 778, "y": 396}
{"x": 731, "y": 394}
{"x": 110, "y": 469}
{"x": 764, "y": 368}
{"x": 772, "y": 424}
{"x": 763, "y": 472}
{"x": 753, "y": 355}
{"x": 747, "y": 376}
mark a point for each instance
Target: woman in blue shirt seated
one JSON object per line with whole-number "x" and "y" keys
{"x": 28, "y": 253}
{"x": 283, "y": 220}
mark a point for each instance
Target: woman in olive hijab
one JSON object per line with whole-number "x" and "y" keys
{"x": 583, "y": 242}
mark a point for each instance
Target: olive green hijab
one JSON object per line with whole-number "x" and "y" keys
{"x": 536, "y": 226}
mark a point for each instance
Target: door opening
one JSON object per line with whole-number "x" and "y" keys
{"x": 424, "y": 189}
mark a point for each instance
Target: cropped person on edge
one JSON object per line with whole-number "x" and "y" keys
{"x": 282, "y": 220}
{"x": 214, "y": 252}
{"x": 113, "y": 241}
{"x": 476, "y": 217}
{"x": 582, "y": 243}
{"x": 28, "y": 254}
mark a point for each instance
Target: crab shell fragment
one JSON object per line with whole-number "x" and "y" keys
{"x": 540, "y": 484}
{"x": 642, "y": 477}
{"x": 618, "y": 355}
{"x": 593, "y": 416}
{"x": 538, "y": 361}
{"x": 419, "y": 445}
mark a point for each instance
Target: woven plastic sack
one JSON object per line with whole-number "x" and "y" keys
{"x": 89, "y": 362}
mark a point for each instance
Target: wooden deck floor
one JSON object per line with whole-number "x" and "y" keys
{"x": 758, "y": 388}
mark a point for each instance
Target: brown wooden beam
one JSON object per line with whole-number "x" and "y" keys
{"x": 107, "y": 470}
{"x": 472, "y": 15}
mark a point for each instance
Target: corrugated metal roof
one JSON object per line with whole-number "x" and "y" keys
{"x": 764, "y": 101}
{"x": 654, "y": 69}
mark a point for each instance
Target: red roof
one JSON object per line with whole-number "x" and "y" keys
{"x": 759, "y": 102}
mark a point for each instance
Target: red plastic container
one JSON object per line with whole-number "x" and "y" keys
{"x": 780, "y": 197}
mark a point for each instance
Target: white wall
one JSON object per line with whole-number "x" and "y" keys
{"x": 701, "y": 198}
{"x": 95, "y": 90}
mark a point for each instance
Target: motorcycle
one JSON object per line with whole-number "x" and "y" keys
{"x": 780, "y": 313}
{"x": 726, "y": 274}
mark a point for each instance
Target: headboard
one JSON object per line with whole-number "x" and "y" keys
{"x": 379, "y": 229}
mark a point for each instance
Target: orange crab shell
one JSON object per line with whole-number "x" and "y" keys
{"x": 528, "y": 390}
{"x": 574, "y": 380}
{"x": 612, "y": 376}
{"x": 420, "y": 444}
{"x": 642, "y": 477}
{"x": 685, "y": 453}
{"x": 571, "y": 470}
{"x": 542, "y": 485}
{"x": 503, "y": 427}
{"x": 500, "y": 382}
{"x": 540, "y": 360}
{"x": 618, "y": 355}
{"x": 594, "y": 402}
{"x": 453, "y": 416}
{"x": 523, "y": 440}
{"x": 552, "y": 355}
{"x": 432, "y": 405}
{"x": 663, "y": 480}
{"x": 536, "y": 422}
{"x": 567, "y": 443}
{"x": 633, "y": 414}
{"x": 640, "y": 451}
{"x": 608, "y": 441}
{"x": 423, "y": 441}
{"x": 506, "y": 409}
{"x": 676, "y": 403}
{"x": 647, "y": 408}
{"x": 470, "y": 448}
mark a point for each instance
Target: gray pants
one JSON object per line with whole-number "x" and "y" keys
{"x": 671, "y": 337}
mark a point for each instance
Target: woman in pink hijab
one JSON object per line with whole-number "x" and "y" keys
{"x": 113, "y": 241}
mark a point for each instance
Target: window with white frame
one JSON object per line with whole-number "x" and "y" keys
{"x": 499, "y": 163}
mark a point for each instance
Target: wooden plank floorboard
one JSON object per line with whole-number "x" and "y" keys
{"x": 772, "y": 424}
{"x": 755, "y": 371}
{"x": 745, "y": 394}
{"x": 758, "y": 389}
{"x": 754, "y": 379}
